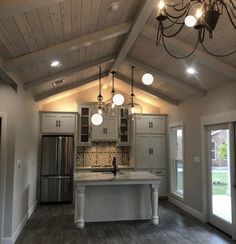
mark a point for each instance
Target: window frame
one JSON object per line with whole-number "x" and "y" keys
{"x": 172, "y": 163}
{"x": 213, "y": 150}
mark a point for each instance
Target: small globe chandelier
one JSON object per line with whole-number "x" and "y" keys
{"x": 133, "y": 107}
{"x": 202, "y": 15}
{"x": 116, "y": 101}
{"x": 97, "y": 110}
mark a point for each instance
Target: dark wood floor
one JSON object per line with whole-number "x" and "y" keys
{"x": 54, "y": 224}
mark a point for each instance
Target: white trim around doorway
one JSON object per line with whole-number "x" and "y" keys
{"x": 3, "y": 160}
{"x": 209, "y": 120}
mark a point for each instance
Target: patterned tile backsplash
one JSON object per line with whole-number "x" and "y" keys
{"x": 101, "y": 154}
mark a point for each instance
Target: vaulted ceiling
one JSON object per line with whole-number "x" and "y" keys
{"x": 83, "y": 34}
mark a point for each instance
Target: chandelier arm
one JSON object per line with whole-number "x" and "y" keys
{"x": 174, "y": 56}
{"x": 217, "y": 55}
{"x": 173, "y": 22}
{"x": 172, "y": 35}
{"x": 177, "y": 17}
{"x": 228, "y": 13}
{"x": 234, "y": 6}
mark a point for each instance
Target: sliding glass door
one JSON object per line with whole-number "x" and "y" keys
{"x": 219, "y": 176}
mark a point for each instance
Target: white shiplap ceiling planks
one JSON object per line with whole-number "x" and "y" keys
{"x": 33, "y": 33}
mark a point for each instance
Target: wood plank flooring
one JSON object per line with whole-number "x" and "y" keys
{"x": 54, "y": 224}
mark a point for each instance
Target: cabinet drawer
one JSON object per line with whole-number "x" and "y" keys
{"x": 150, "y": 125}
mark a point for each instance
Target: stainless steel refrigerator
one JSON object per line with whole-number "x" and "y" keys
{"x": 56, "y": 179}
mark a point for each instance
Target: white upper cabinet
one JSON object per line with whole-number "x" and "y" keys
{"x": 62, "y": 123}
{"x": 107, "y": 131}
{"x": 148, "y": 124}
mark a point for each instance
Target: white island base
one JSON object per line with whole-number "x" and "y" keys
{"x": 104, "y": 197}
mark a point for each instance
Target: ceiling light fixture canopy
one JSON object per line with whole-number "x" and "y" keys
{"x": 97, "y": 110}
{"x": 173, "y": 15}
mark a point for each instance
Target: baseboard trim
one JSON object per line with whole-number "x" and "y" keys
{"x": 186, "y": 208}
{"x": 7, "y": 240}
{"x": 23, "y": 222}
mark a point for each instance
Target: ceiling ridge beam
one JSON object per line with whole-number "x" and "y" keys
{"x": 63, "y": 74}
{"x": 68, "y": 46}
{"x": 154, "y": 92}
{"x": 166, "y": 77}
{"x": 201, "y": 57}
{"x": 73, "y": 85}
{"x": 141, "y": 18}
{"x": 14, "y": 7}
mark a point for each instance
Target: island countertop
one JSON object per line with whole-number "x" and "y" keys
{"x": 99, "y": 177}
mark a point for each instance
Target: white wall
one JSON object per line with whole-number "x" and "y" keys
{"x": 218, "y": 100}
{"x": 22, "y": 144}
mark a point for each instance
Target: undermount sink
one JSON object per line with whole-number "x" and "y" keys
{"x": 108, "y": 173}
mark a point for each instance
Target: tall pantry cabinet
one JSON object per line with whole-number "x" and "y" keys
{"x": 150, "y": 146}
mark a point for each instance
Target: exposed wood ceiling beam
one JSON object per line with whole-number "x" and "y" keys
{"x": 166, "y": 78}
{"x": 73, "y": 85}
{"x": 15, "y": 7}
{"x": 154, "y": 92}
{"x": 55, "y": 51}
{"x": 145, "y": 11}
{"x": 6, "y": 78}
{"x": 208, "y": 60}
{"x": 63, "y": 74}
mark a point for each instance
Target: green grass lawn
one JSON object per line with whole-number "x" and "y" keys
{"x": 222, "y": 177}
{"x": 218, "y": 189}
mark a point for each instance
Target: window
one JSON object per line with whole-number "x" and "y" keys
{"x": 177, "y": 159}
{"x": 213, "y": 151}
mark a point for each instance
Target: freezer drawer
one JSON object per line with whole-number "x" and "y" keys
{"x": 56, "y": 189}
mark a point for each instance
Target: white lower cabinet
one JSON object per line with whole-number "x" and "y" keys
{"x": 163, "y": 191}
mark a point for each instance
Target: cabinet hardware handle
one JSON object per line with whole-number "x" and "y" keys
{"x": 158, "y": 172}
{"x": 150, "y": 151}
{"x": 150, "y": 125}
{"x": 59, "y": 123}
{"x": 104, "y": 130}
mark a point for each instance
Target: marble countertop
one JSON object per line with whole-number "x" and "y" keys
{"x": 121, "y": 176}
{"x": 103, "y": 168}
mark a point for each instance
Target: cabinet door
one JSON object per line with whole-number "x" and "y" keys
{"x": 112, "y": 127}
{"x": 50, "y": 123}
{"x": 157, "y": 150}
{"x": 67, "y": 123}
{"x": 107, "y": 131}
{"x": 150, "y": 151}
{"x": 142, "y": 151}
{"x": 150, "y": 124}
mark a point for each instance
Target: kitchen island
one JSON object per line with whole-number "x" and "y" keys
{"x": 102, "y": 196}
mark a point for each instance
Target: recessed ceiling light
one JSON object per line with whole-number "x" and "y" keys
{"x": 58, "y": 83}
{"x": 191, "y": 71}
{"x": 147, "y": 79}
{"x": 54, "y": 63}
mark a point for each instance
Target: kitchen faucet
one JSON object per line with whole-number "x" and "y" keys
{"x": 114, "y": 170}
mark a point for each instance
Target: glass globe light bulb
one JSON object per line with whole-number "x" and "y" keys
{"x": 147, "y": 79}
{"x": 118, "y": 99}
{"x": 100, "y": 111}
{"x": 190, "y": 21}
{"x": 132, "y": 110}
{"x": 97, "y": 119}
